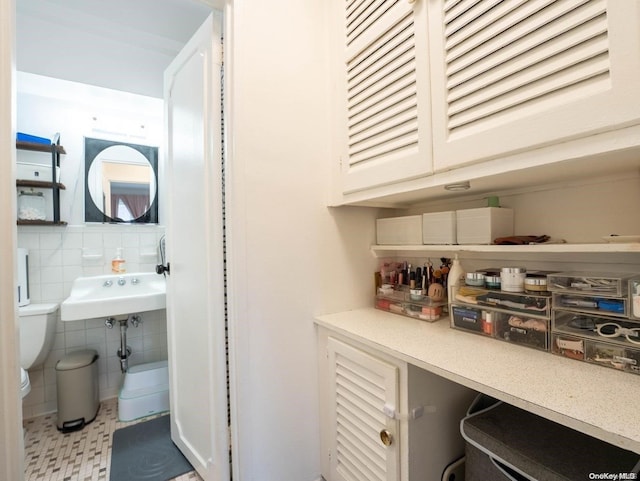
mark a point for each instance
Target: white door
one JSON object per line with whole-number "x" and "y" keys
{"x": 195, "y": 287}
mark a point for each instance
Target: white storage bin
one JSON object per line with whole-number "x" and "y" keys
{"x": 483, "y": 225}
{"x": 405, "y": 230}
{"x": 32, "y": 171}
{"x": 145, "y": 391}
{"x": 439, "y": 228}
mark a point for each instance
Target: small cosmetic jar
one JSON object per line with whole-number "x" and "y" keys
{"x": 416, "y": 294}
{"x": 512, "y": 279}
{"x": 386, "y": 289}
{"x": 535, "y": 284}
{"x": 475, "y": 279}
{"x": 493, "y": 282}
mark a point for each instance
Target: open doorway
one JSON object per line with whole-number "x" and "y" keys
{"x": 125, "y": 49}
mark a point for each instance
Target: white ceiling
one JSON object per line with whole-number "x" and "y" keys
{"x": 119, "y": 44}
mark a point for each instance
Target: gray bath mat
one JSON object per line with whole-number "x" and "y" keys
{"x": 145, "y": 452}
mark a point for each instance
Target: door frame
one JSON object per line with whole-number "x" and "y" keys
{"x": 235, "y": 243}
{"x": 12, "y": 446}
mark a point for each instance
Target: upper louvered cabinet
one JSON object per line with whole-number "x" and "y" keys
{"x": 362, "y": 389}
{"x": 510, "y": 76}
{"x": 383, "y": 89}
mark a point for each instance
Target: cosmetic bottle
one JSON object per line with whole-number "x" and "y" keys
{"x": 455, "y": 279}
{"x": 117, "y": 263}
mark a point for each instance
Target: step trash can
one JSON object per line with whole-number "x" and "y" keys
{"x": 77, "y": 384}
{"x": 507, "y": 443}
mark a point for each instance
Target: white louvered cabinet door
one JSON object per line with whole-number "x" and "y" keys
{"x": 362, "y": 389}
{"x": 383, "y": 92}
{"x": 510, "y": 76}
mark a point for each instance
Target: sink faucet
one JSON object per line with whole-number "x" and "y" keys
{"x": 121, "y": 281}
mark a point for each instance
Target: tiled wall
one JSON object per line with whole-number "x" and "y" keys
{"x": 57, "y": 255}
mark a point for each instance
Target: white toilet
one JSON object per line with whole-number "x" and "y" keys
{"x": 25, "y": 384}
{"x": 37, "y": 331}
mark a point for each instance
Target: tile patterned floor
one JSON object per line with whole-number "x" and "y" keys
{"x": 83, "y": 455}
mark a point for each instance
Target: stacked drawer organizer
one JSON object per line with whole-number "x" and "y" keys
{"x": 592, "y": 319}
{"x": 401, "y": 301}
{"x": 519, "y": 318}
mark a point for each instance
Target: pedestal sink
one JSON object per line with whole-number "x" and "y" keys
{"x": 114, "y": 295}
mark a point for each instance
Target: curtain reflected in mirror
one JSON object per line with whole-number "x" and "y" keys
{"x": 121, "y": 182}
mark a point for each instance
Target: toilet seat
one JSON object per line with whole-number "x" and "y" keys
{"x": 25, "y": 383}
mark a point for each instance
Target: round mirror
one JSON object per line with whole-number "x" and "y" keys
{"x": 121, "y": 182}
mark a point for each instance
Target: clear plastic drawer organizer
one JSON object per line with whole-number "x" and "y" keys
{"x": 593, "y": 319}
{"x": 589, "y": 283}
{"x": 401, "y": 300}
{"x": 518, "y": 318}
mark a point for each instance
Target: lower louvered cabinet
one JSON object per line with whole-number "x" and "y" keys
{"x": 383, "y": 419}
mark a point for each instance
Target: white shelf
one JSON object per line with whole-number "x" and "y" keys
{"x": 600, "y": 248}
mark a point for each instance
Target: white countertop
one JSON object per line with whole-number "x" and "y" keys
{"x": 601, "y": 402}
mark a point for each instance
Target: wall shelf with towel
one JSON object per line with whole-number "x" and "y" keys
{"x": 55, "y": 149}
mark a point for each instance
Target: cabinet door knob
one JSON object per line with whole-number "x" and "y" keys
{"x": 386, "y": 437}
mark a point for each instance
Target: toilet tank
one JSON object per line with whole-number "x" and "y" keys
{"x": 37, "y": 332}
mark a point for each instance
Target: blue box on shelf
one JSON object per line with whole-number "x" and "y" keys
{"x": 22, "y": 137}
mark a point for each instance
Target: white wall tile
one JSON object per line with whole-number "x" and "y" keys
{"x": 130, "y": 240}
{"x": 52, "y": 292}
{"x": 36, "y": 378}
{"x": 114, "y": 378}
{"x": 95, "y": 323}
{"x": 51, "y": 396}
{"x": 92, "y": 240}
{"x": 155, "y": 341}
{"x": 51, "y": 241}
{"x": 50, "y": 275}
{"x": 135, "y": 332}
{"x": 34, "y": 290}
{"x": 29, "y": 240}
{"x": 101, "y": 349}
{"x": 71, "y": 273}
{"x": 74, "y": 325}
{"x": 92, "y": 270}
{"x": 102, "y": 382}
{"x": 97, "y": 336}
{"x": 72, "y": 257}
{"x": 112, "y": 347}
{"x": 111, "y": 242}
{"x": 49, "y": 374}
{"x": 50, "y": 257}
{"x": 55, "y": 355}
{"x": 73, "y": 240}
{"x": 155, "y": 355}
{"x": 36, "y": 396}
{"x": 74, "y": 340}
{"x": 136, "y": 345}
